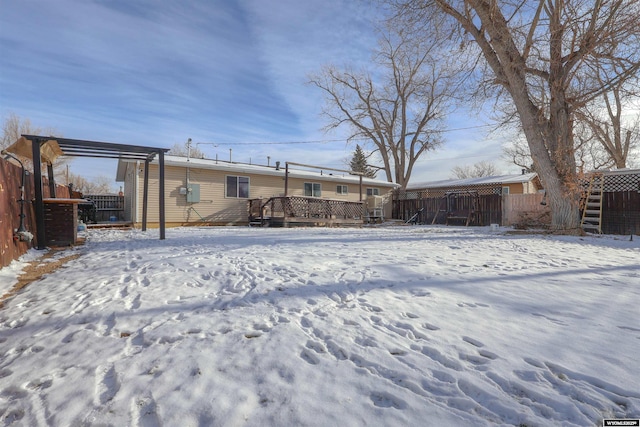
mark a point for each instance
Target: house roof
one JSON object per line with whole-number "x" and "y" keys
{"x": 626, "y": 171}
{"x": 232, "y": 167}
{"x": 498, "y": 179}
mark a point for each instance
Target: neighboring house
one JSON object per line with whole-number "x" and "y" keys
{"x": 216, "y": 192}
{"x": 472, "y": 201}
{"x": 525, "y": 183}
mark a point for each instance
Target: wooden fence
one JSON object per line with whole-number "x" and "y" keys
{"x": 523, "y": 208}
{"x": 486, "y": 209}
{"x": 10, "y": 181}
{"x": 620, "y": 206}
{"x": 104, "y": 208}
{"x": 621, "y": 212}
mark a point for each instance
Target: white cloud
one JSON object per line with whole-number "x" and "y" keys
{"x": 154, "y": 73}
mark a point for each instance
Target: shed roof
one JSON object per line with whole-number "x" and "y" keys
{"x": 498, "y": 179}
{"x": 612, "y": 172}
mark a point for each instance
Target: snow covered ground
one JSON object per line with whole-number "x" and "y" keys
{"x": 319, "y": 327}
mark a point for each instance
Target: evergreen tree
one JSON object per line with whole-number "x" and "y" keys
{"x": 359, "y": 163}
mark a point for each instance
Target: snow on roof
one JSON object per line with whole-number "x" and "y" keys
{"x": 498, "y": 179}
{"x": 626, "y": 171}
{"x": 221, "y": 165}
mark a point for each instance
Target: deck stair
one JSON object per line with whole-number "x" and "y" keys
{"x": 592, "y": 206}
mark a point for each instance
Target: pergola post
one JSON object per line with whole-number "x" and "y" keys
{"x": 286, "y": 179}
{"x": 161, "y": 190}
{"x": 145, "y": 194}
{"x": 37, "y": 186}
{"x": 52, "y": 181}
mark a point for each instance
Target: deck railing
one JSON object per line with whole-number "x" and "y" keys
{"x": 297, "y": 209}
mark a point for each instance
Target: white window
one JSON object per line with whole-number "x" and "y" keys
{"x": 373, "y": 192}
{"x": 505, "y": 190}
{"x": 312, "y": 189}
{"x": 238, "y": 186}
{"x": 342, "y": 189}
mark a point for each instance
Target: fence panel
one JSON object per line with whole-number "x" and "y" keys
{"x": 10, "y": 181}
{"x": 489, "y": 209}
{"x": 516, "y": 205}
{"x": 621, "y": 212}
{"x": 108, "y": 207}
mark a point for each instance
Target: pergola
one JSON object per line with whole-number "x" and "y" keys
{"x": 84, "y": 148}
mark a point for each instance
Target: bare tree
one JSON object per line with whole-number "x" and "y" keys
{"x": 544, "y": 57}
{"x": 98, "y": 185}
{"x": 589, "y": 153}
{"x": 518, "y": 153}
{"x": 14, "y": 126}
{"x": 603, "y": 122}
{"x": 397, "y": 106}
{"x": 186, "y": 150}
{"x": 477, "y": 170}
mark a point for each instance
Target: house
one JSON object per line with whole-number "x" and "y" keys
{"x": 525, "y": 183}
{"x": 472, "y": 201}
{"x": 214, "y": 192}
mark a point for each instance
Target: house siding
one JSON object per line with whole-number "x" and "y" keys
{"x": 516, "y": 188}
{"x": 214, "y": 207}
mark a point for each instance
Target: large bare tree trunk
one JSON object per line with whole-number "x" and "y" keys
{"x": 544, "y": 56}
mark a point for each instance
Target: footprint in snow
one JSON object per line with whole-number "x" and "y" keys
{"x": 107, "y": 384}
{"x": 382, "y": 399}
{"x": 144, "y": 412}
{"x": 629, "y": 328}
{"x": 472, "y": 341}
{"x": 309, "y": 357}
{"x": 478, "y": 361}
{"x": 467, "y": 304}
{"x": 253, "y": 334}
{"x": 264, "y": 326}
{"x": 397, "y": 352}
{"x": 336, "y": 351}
{"x": 488, "y": 354}
{"x": 430, "y": 327}
{"x": 40, "y": 384}
{"x": 316, "y": 346}
{"x": 421, "y": 293}
{"x": 133, "y": 303}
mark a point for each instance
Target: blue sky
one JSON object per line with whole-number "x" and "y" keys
{"x": 231, "y": 73}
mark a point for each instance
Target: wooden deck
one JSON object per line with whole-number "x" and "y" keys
{"x": 292, "y": 211}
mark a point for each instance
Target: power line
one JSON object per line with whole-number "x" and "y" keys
{"x": 324, "y": 141}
